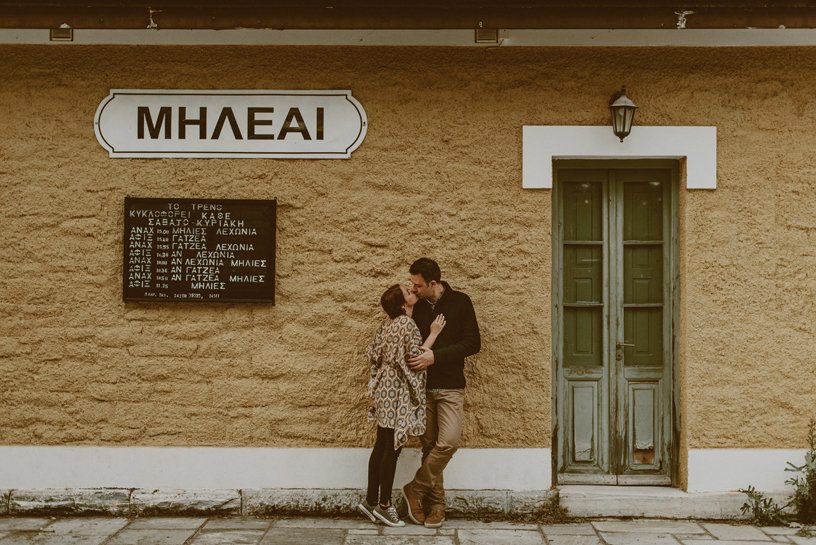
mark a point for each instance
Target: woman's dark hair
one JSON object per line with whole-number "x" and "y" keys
{"x": 427, "y": 269}
{"x": 392, "y": 301}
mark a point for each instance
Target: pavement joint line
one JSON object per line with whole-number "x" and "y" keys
{"x": 707, "y": 532}
{"x": 597, "y": 533}
{"x": 192, "y": 537}
{"x": 116, "y": 533}
{"x": 271, "y": 525}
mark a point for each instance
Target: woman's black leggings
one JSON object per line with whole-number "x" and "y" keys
{"x": 381, "y": 467}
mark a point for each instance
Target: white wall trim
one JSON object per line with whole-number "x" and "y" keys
{"x": 46, "y": 467}
{"x": 542, "y": 144}
{"x": 445, "y": 37}
{"x": 24, "y": 467}
{"x": 717, "y": 470}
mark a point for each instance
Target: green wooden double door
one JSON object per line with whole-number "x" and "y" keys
{"x": 615, "y": 309}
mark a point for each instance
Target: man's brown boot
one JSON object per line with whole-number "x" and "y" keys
{"x": 435, "y": 518}
{"x": 414, "y": 505}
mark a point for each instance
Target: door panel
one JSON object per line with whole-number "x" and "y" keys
{"x": 644, "y": 426}
{"x": 613, "y": 291}
{"x": 583, "y": 337}
{"x": 582, "y": 273}
{"x": 643, "y": 330}
{"x": 584, "y": 421}
{"x": 643, "y": 273}
{"x": 584, "y": 368}
{"x": 583, "y": 209}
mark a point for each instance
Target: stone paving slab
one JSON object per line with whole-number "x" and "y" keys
{"x": 650, "y": 526}
{"x": 88, "y": 526}
{"x": 573, "y": 540}
{"x": 779, "y": 530}
{"x": 479, "y": 525}
{"x": 724, "y": 542}
{"x": 160, "y": 523}
{"x": 781, "y": 539}
{"x": 693, "y": 537}
{"x": 23, "y": 523}
{"x": 803, "y": 540}
{"x": 238, "y": 524}
{"x": 306, "y": 536}
{"x": 186, "y": 502}
{"x": 228, "y": 537}
{"x": 584, "y": 529}
{"x": 341, "y": 524}
{"x": 393, "y": 540}
{"x": 69, "y": 501}
{"x": 735, "y": 533}
{"x": 371, "y": 532}
{"x": 638, "y": 538}
{"x": 151, "y": 537}
{"x": 500, "y": 537}
{"x": 409, "y": 530}
{"x": 529, "y": 502}
{"x": 28, "y": 538}
{"x": 476, "y": 503}
{"x": 288, "y": 502}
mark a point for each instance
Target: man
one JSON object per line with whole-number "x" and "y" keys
{"x": 445, "y": 385}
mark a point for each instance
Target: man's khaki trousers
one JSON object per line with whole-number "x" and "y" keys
{"x": 440, "y": 441}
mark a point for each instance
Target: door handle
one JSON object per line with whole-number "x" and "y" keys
{"x": 621, "y": 345}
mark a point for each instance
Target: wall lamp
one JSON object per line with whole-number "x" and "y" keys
{"x": 623, "y": 113}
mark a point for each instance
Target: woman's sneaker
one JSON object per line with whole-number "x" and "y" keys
{"x": 388, "y": 515}
{"x": 368, "y": 510}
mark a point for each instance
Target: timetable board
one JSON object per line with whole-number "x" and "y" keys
{"x": 199, "y": 250}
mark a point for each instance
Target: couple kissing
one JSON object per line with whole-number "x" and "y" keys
{"x": 416, "y": 388}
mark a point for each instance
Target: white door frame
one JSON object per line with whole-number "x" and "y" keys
{"x": 694, "y": 146}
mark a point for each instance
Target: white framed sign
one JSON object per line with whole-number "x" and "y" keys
{"x": 230, "y": 124}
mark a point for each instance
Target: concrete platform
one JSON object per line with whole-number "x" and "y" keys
{"x": 580, "y": 500}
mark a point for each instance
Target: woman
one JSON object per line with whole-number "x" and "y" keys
{"x": 397, "y": 397}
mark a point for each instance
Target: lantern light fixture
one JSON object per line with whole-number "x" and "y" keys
{"x": 623, "y": 113}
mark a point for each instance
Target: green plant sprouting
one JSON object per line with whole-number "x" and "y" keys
{"x": 804, "y": 494}
{"x": 764, "y": 511}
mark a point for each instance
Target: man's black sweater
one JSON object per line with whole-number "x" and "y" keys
{"x": 459, "y": 339}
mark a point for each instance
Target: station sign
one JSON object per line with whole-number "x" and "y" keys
{"x": 230, "y": 124}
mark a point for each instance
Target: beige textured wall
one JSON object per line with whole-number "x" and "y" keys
{"x": 439, "y": 174}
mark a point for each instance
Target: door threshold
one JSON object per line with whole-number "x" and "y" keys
{"x": 592, "y": 501}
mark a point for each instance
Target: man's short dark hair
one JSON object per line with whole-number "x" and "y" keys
{"x": 392, "y": 301}
{"x": 427, "y": 269}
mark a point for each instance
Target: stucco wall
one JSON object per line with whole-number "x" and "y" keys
{"x": 439, "y": 174}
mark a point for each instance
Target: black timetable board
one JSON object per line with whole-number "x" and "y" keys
{"x": 199, "y": 250}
